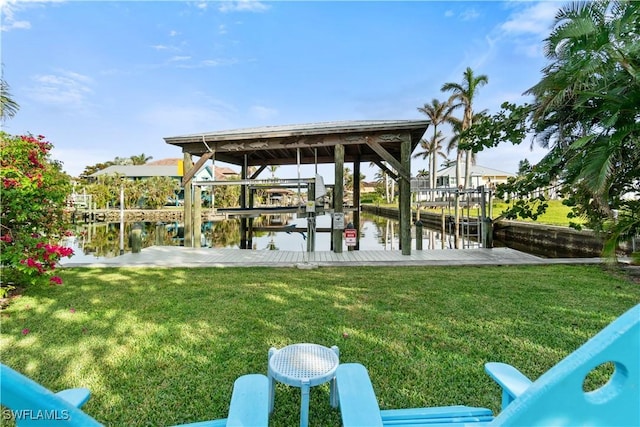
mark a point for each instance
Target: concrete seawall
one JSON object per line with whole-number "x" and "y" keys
{"x": 551, "y": 240}
{"x": 547, "y": 240}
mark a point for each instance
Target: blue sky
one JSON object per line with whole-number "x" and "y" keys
{"x": 112, "y": 78}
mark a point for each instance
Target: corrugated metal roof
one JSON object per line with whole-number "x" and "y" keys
{"x": 363, "y": 140}
{"x": 305, "y": 129}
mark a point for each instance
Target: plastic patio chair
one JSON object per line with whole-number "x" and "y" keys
{"x": 31, "y": 404}
{"x": 556, "y": 398}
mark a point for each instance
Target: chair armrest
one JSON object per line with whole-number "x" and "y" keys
{"x": 75, "y": 396}
{"x": 358, "y": 403}
{"x": 249, "y": 402}
{"x": 512, "y": 381}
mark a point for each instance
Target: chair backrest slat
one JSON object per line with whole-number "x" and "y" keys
{"x": 32, "y": 404}
{"x": 558, "y": 396}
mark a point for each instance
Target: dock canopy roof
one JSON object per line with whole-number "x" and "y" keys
{"x": 364, "y": 141}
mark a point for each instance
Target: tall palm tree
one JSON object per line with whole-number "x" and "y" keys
{"x": 273, "y": 169}
{"x": 438, "y": 113}
{"x": 8, "y": 107}
{"x": 454, "y": 141}
{"x": 463, "y": 94}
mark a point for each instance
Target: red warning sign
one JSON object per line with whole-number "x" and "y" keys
{"x": 350, "y": 235}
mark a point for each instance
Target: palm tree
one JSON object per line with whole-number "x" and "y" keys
{"x": 438, "y": 113}
{"x": 432, "y": 148}
{"x": 8, "y": 107}
{"x": 454, "y": 141}
{"x": 464, "y": 94}
{"x": 388, "y": 182}
{"x": 273, "y": 169}
{"x": 140, "y": 159}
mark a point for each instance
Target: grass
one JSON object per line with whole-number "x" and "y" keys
{"x": 163, "y": 346}
{"x": 556, "y": 213}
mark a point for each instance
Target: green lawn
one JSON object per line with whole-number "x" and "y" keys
{"x": 163, "y": 346}
{"x": 556, "y": 213}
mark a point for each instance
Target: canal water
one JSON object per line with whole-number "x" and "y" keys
{"x": 102, "y": 240}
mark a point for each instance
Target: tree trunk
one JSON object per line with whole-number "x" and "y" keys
{"x": 467, "y": 169}
{"x": 458, "y": 169}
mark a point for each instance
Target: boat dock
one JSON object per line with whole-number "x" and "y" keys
{"x": 172, "y": 256}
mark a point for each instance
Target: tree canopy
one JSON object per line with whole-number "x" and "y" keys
{"x": 586, "y": 111}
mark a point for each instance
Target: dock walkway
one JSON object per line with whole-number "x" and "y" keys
{"x": 172, "y": 256}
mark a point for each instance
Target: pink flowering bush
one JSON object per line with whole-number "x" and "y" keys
{"x": 33, "y": 190}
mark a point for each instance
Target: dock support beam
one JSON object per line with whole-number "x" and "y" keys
{"x": 356, "y": 200}
{"x": 404, "y": 195}
{"x": 338, "y": 195}
{"x": 243, "y": 204}
{"x": 188, "y": 203}
{"x": 197, "y": 216}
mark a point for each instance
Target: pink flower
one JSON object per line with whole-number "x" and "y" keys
{"x": 25, "y": 331}
{"x": 55, "y": 280}
{"x": 72, "y": 310}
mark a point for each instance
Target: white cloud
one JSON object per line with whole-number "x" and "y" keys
{"x": 222, "y": 29}
{"x": 9, "y": 22}
{"x": 64, "y": 88}
{"x": 263, "y": 113}
{"x": 173, "y": 33}
{"x": 535, "y": 20}
{"x": 205, "y": 63}
{"x": 469, "y": 14}
{"x": 179, "y": 58}
{"x": 527, "y": 28}
{"x": 242, "y": 6}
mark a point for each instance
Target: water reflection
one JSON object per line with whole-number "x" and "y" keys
{"x": 376, "y": 233}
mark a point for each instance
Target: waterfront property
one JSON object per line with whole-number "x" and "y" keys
{"x": 387, "y": 143}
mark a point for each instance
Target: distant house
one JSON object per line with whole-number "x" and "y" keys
{"x": 164, "y": 167}
{"x": 480, "y": 175}
{"x": 368, "y": 187}
{"x": 136, "y": 172}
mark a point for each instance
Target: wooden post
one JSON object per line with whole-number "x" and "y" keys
{"x": 485, "y": 221}
{"x": 188, "y": 204}
{"x": 338, "y": 195}
{"x": 444, "y": 230}
{"x": 356, "y": 200}
{"x": 197, "y": 216}
{"x": 243, "y": 205}
{"x": 250, "y": 222}
{"x": 311, "y": 217}
{"x": 405, "y": 195}
{"x": 418, "y": 235}
{"x": 456, "y": 225}
{"x": 160, "y": 233}
{"x": 135, "y": 238}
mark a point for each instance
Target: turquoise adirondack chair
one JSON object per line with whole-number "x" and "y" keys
{"x": 31, "y": 404}
{"x": 557, "y": 398}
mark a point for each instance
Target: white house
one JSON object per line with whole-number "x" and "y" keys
{"x": 480, "y": 175}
